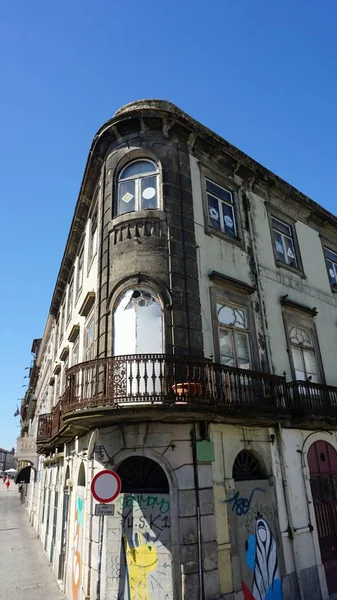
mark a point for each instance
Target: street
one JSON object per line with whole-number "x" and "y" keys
{"x": 25, "y": 572}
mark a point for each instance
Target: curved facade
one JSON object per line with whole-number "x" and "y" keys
{"x": 189, "y": 347}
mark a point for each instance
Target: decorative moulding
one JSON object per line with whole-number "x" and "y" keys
{"x": 75, "y": 330}
{"x": 238, "y": 285}
{"x": 87, "y": 305}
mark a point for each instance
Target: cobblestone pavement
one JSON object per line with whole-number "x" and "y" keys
{"x": 24, "y": 570}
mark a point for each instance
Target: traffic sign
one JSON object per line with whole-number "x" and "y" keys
{"x": 106, "y": 486}
{"x": 104, "y": 510}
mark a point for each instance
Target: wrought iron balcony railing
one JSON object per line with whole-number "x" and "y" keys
{"x": 307, "y": 397}
{"x": 195, "y": 383}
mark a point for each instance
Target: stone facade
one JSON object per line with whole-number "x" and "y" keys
{"x": 220, "y": 465}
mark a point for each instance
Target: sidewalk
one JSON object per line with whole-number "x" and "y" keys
{"x": 24, "y": 570}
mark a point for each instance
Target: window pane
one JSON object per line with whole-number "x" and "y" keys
{"x": 149, "y": 192}
{"x": 242, "y": 350}
{"x": 332, "y": 272}
{"x": 126, "y": 197}
{"x": 281, "y": 227}
{"x": 290, "y": 251}
{"x": 138, "y": 324}
{"x": 225, "y": 314}
{"x": 298, "y": 363}
{"x": 331, "y": 255}
{"x": 279, "y": 246}
{"x": 218, "y": 191}
{"x": 140, "y": 167}
{"x": 310, "y": 364}
{"x": 228, "y": 219}
{"x": 213, "y": 212}
{"x": 226, "y": 347}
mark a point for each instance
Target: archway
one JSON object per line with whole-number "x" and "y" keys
{"x": 322, "y": 462}
{"x": 141, "y": 561}
{"x": 254, "y": 526}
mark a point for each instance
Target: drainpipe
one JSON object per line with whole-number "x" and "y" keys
{"x": 201, "y": 595}
{"x": 100, "y": 207}
{"x": 285, "y": 487}
{"x": 247, "y": 199}
{"x": 288, "y": 509}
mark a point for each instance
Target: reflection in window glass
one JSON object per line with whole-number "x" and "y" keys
{"x": 138, "y": 187}
{"x": 233, "y": 336}
{"x": 284, "y": 243}
{"x": 331, "y": 261}
{"x": 138, "y": 327}
{"x": 303, "y": 354}
{"x": 220, "y": 208}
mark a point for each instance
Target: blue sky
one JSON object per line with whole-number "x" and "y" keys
{"x": 261, "y": 74}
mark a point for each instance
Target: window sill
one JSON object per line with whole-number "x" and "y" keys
{"x": 211, "y": 232}
{"x": 298, "y": 272}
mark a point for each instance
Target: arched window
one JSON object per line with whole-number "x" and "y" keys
{"x": 138, "y": 323}
{"x": 303, "y": 354}
{"x": 246, "y": 467}
{"x": 142, "y": 475}
{"x": 138, "y": 187}
{"x": 81, "y": 475}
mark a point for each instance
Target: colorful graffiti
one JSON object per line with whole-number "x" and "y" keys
{"x": 261, "y": 558}
{"x": 139, "y": 548}
{"x": 141, "y": 559}
{"x": 77, "y": 546}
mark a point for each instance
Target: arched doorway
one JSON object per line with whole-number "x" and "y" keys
{"x": 252, "y": 512}
{"x": 64, "y": 527}
{"x": 322, "y": 461}
{"x": 139, "y": 540}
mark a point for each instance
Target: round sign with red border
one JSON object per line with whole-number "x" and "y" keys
{"x": 105, "y": 486}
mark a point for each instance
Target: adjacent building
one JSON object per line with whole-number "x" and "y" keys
{"x": 191, "y": 347}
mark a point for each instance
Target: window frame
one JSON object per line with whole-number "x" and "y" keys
{"x": 93, "y": 235}
{"x": 76, "y": 343}
{"x": 228, "y": 185}
{"x": 79, "y": 285}
{"x": 137, "y": 179}
{"x": 330, "y": 247}
{"x": 90, "y": 319}
{"x": 289, "y": 222}
{"x": 233, "y": 296}
{"x": 70, "y": 299}
{"x": 297, "y": 318}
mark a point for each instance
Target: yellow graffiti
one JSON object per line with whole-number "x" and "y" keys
{"x": 141, "y": 559}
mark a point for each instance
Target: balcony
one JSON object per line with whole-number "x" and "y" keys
{"x": 176, "y": 387}
{"x": 312, "y": 398}
{"x": 26, "y": 449}
{"x": 119, "y": 386}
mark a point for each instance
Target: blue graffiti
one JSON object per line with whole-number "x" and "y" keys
{"x": 242, "y": 505}
{"x": 250, "y": 552}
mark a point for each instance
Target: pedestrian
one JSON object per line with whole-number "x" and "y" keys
{"x": 7, "y": 483}
{"x": 5, "y": 477}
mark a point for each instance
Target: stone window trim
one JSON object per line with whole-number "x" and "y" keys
{"x": 297, "y": 315}
{"x": 227, "y": 183}
{"x": 70, "y": 298}
{"x": 79, "y": 275}
{"x": 131, "y": 156}
{"x": 152, "y": 284}
{"x": 231, "y": 293}
{"x": 287, "y": 220}
{"x": 93, "y": 231}
{"x": 328, "y": 245}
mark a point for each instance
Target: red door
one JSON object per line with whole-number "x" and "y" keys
{"x": 322, "y": 460}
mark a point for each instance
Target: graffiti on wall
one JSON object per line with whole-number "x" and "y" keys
{"x": 77, "y": 546}
{"x": 262, "y": 560}
{"x": 139, "y": 548}
{"x": 240, "y": 504}
{"x": 141, "y": 559}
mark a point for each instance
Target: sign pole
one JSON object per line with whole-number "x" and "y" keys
{"x": 100, "y": 552}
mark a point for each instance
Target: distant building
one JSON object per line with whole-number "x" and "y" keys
{"x": 191, "y": 347}
{"x": 7, "y": 459}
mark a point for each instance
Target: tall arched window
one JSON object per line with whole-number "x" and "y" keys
{"x": 138, "y": 323}
{"x": 140, "y": 474}
{"x": 138, "y": 187}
